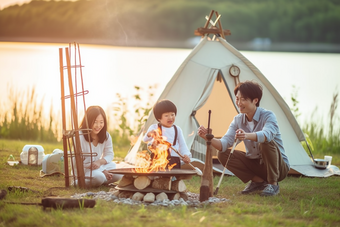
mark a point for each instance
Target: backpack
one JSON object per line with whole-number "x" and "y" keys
{"x": 53, "y": 163}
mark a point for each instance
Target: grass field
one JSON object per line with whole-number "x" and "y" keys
{"x": 303, "y": 201}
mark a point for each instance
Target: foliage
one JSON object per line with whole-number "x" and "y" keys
{"x": 121, "y": 22}
{"x": 302, "y": 201}
{"x": 25, "y": 120}
{"x": 320, "y": 141}
{"x": 124, "y": 129}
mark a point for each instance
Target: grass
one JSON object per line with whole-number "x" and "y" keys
{"x": 303, "y": 201}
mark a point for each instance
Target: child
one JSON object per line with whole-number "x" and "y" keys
{"x": 101, "y": 144}
{"x": 165, "y": 113}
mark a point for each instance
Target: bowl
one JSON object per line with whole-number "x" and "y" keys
{"x": 321, "y": 163}
{"x": 12, "y": 163}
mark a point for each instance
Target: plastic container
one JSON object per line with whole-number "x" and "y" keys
{"x": 32, "y": 155}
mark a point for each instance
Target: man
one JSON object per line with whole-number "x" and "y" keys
{"x": 265, "y": 163}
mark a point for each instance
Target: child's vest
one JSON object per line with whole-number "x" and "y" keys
{"x": 172, "y": 160}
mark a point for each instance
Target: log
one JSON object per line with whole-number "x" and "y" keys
{"x": 149, "y": 197}
{"x": 175, "y": 196}
{"x": 163, "y": 183}
{"x": 125, "y": 181}
{"x": 62, "y": 203}
{"x": 184, "y": 196}
{"x": 142, "y": 182}
{"x": 161, "y": 196}
{"x": 178, "y": 186}
{"x": 125, "y": 195}
{"x": 138, "y": 196}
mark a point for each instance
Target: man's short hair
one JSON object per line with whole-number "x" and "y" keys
{"x": 250, "y": 89}
{"x": 163, "y": 106}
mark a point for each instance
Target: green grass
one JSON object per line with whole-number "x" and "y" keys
{"x": 303, "y": 201}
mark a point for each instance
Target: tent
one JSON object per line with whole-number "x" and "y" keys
{"x": 203, "y": 82}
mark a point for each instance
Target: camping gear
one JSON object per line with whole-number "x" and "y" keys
{"x": 53, "y": 163}
{"x": 328, "y": 158}
{"x": 32, "y": 155}
{"x": 321, "y": 163}
{"x": 206, "y": 71}
{"x": 11, "y": 161}
{"x": 206, "y": 189}
{"x": 225, "y": 167}
{"x": 71, "y": 141}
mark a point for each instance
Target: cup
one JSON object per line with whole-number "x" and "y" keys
{"x": 329, "y": 159}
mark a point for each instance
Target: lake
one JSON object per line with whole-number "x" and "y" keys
{"x": 109, "y": 70}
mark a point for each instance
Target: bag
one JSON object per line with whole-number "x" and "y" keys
{"x": 53, "y": 163}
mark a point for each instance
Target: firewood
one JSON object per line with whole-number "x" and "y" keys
{"x": 149, "y": 197}
{"x": 125, "y": 195}
{"x": 142, "y": 182}
{"x": 161, "y": 196}
{"x": 125, "y": 181}
{"x": 163, "y": 183}
{"x": 174, "y": 196}
{"x": 138, "y": 196}
{"x": 178, "y": 186}
{"x": 184, "y": 196}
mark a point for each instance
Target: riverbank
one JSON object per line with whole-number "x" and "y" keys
{"x": 255, "y": 45}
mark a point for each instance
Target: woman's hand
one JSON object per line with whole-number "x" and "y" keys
{"x": 97, "y": 164}
{"x": 108, "y": 175}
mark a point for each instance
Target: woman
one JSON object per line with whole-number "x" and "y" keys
{"x": 101, "y": 145}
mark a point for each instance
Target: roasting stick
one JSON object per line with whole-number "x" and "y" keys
{"x": 225, "y": 167}
{"x": 198, "y": 171}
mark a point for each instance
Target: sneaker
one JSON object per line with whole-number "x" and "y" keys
{"x": 254, "y": 186}
{"x": 270, "y": 190}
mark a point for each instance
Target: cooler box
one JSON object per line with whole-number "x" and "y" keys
{"x": 32, "y": 155}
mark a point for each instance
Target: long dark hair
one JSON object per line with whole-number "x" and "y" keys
{"x": 92, "y": 113}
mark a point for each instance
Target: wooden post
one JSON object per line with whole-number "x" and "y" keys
{"x": 63, "y": 115}
{"x": 206, "y": 189}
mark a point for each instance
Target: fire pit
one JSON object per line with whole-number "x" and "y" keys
{"x": 172, "y": 172}
{"x": 147, "y": 186}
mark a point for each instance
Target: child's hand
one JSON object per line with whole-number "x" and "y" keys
{"x": 186, "y": 159}
{"x": 152, "y": 134}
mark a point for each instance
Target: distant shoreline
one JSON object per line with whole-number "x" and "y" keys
{"x": 188, "y": 44}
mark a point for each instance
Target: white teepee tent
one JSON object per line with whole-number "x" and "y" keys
{"x": 203, "y": 83}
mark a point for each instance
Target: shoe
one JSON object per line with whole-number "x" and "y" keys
{"x": 270, "y": 190}
{"x": 254, "y": 186}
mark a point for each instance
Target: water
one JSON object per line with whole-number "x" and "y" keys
{"x": 109, "y": 70}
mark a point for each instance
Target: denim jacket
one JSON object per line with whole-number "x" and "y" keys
{"x": 265, "y": 126}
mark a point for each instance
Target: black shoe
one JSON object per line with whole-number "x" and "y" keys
{"x": 254, "y": 186}
{"x": 270, "y": 190}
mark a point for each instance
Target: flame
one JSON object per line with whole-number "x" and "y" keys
{"x": 156, "y": 157}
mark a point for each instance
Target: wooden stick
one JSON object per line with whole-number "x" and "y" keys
{"x": 63, "y": 115}
{"x": 225, "y": 167}
{"x": 206, "y": 189}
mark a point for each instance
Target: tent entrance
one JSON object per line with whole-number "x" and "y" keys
{"x": 223, "y": 111}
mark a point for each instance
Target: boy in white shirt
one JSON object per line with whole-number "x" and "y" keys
{"x": 165, "y": 113}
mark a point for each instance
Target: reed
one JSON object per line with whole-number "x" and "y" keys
{"x": 24, "y": 118}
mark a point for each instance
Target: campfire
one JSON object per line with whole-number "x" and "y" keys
{"x": 153, "y": 178}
